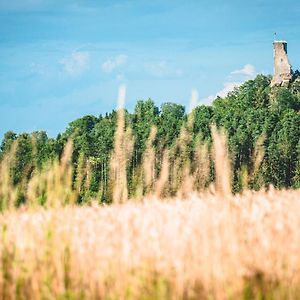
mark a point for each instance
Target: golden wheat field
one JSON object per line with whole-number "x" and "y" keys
{"x": 206, "y": 247}
{"x": 208, "y": 244}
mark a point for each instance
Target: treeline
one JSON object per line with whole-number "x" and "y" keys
{"x": 262, "y": 125}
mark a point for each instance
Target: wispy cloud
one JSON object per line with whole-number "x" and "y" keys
{"x": 113, "y": 63}
{"x": 162, "y": 69}
{"x": 235, "y": 79}
{"x": 37, "y": 68}
{"x": 247, "y": 70}
{"x": 76, "y": 63}
{"x": 227, "y": 88}
{"x": 208, "y": 100}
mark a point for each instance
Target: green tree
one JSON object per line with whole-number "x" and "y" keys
{"x": 7, "y": 142}
{"x": 144, "y": 117}
{"x": 170, "y": 121}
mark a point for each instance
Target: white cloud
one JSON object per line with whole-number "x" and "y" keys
{"x": 113, "y": 63}
{"x": 76, "y": 63}
{"x": 162, "y": 69}
{"x": 208, "y": 100}
{"x": 237, "y": 78}
{"x": 247, "y": 70}
{"x": 233, "y": 80}
{"x": 228, "y": 87}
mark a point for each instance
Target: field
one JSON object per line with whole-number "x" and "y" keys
{"x": 205, "y": 244}
{"x": 205, "y": 247}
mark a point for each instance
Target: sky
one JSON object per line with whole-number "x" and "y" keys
{"x": 63, "y": 59}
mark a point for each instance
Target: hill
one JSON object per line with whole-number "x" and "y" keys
{"x": 262, "y": 125}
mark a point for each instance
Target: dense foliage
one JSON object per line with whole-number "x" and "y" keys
{"x": 257, "y": 118}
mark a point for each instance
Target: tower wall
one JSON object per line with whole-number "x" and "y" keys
{"x": 282, "y": 67}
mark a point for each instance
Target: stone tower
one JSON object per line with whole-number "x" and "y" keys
{"x": 282, "y": 68}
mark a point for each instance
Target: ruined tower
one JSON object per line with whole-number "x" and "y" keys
{"x": 282, "y": 68}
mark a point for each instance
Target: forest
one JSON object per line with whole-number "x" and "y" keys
{"x": 262, "y": 125}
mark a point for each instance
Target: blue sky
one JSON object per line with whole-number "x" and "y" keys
{"x": 64, "y": 59}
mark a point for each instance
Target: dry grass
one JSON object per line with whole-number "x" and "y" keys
{"x": 222, "y": 162}
{"x": 201, "y": 248}
{"x": 149, "y": 162}
{"x": 122, "y": 152}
